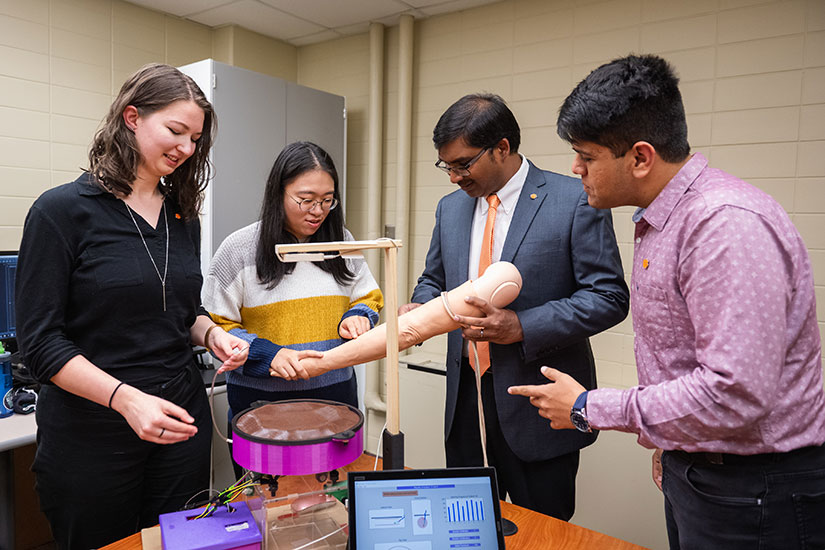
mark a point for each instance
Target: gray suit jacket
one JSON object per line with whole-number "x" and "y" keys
{"x": 573, "y": 288}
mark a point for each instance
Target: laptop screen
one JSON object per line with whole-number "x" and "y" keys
{"x": 424, "y": 509}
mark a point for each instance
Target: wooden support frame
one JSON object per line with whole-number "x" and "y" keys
{"x": 316, "y": 252}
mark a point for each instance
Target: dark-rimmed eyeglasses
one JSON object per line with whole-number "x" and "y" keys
{"x": 464, "y": 169}
{"x": 306, "y": 205}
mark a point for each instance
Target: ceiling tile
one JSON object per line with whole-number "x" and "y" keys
{"x": 339, "y": 13}
{"x": 181, "y": 8}
{"x": 453, "y": 6}
{"x": 314, "y": 38}
{"x": 259, "y": 18}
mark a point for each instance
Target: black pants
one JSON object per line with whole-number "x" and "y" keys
{"x": 770, "y": 502}
{"x": 546, "y": 486}
{"x": 98, "y": 482}
{"x": 240, "y": 398}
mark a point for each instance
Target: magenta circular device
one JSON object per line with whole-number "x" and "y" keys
{"x": 297, "y": 436}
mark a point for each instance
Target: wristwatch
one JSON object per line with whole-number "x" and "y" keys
{"x": 578, "y": 415}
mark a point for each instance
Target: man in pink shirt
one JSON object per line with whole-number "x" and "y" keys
{"x": 727, "y": 345}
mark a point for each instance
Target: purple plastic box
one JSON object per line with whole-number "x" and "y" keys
{"x": 223, "y": 530}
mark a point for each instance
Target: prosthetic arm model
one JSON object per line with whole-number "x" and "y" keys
{"x": 499, "y": 286}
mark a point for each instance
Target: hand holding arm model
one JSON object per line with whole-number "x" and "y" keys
{"x": 499, "y": 286}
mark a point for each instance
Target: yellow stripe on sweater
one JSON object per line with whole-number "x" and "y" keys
{"x": 297, "y": 321}
{"x": 373, "y": 300}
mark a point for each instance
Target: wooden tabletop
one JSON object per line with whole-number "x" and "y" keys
{"x": 535, "y": 532}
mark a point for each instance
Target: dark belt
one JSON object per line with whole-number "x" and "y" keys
{"x": 763, "y": 459}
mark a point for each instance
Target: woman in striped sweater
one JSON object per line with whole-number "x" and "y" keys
{"x": 287, "y": 311}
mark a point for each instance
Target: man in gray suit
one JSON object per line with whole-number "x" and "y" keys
{"x": 573, "y": 288}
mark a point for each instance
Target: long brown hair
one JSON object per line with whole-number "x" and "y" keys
{"x": 114, "y": 156}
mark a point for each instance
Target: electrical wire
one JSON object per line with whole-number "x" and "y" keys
{"x": 378, "y": 448}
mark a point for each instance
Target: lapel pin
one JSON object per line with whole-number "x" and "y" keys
{"x": 177, "y": 216}
{"x": 645, "y": 263}
{"x": 533, "y": 195}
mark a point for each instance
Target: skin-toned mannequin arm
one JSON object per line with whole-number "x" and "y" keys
{"x": 499, "y": 285}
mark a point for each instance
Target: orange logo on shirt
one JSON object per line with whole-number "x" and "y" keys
{"x": 645, "y": 263}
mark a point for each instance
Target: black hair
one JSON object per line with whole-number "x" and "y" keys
{"x": 482, "y": 120}
{"x": 630, "y": 99}
{"x": 293, "y": 161}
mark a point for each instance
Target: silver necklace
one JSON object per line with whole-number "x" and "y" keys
{"x": 166, "y": 261}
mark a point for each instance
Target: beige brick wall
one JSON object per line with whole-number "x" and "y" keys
{"x": 61, "y": 61}
{"x": 753, "y": 80}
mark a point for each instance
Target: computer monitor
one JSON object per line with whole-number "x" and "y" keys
{"x": 8, "y": 269}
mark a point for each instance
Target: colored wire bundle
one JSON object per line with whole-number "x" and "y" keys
{"x": 228, "y": 495}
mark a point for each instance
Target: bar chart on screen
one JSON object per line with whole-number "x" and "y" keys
{"x": 464, "y": 509}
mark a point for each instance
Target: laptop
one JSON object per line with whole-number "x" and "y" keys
{"x": 424, "y": 509}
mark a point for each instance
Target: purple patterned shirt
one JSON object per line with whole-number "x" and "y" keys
{"x": 727, "y": 344}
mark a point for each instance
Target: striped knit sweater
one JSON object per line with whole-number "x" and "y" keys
{"x": 302, "y": 311}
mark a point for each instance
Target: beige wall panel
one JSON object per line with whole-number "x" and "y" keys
{"x": 536, "y": 112}
{"x": 89, "y": 17}
{"x": 761, "y": 90}
{"x": 820, "y": 302}
{"x": 73, "y": 130}
{"x": 265, "y": 55}
{"x": 10, "y": 237}
{"x": 781, "y": 189}
{"x": 549, "y": 54}
{"x": 68, "y": 157}
{"x": 815, "y": 49}
{"x": 818, "y": 265}
{"x": 23, "y": 153}
{"x": 81, "y": 103}
{"x": 679, "y": 34}
{"x": 760, "y": 56}
{"x": 772, "y": 160}
{"x": 436, "y": 73}
{"x": 694, "y": 64}
{"x": 605, "y": 16}
{"x": 608, "y": 373}
{"x": 697, "y": 96}
{"x": 810, "y": 227}
{"x": 542, "y": 141}
{"x": 756, "y": 126}
{"x": 810, "y": 196}
{"x": 74, "y": 74}
{"x": 605, "y": 46}
{"x": 23, "y": 34}
{"x": 533, "y": 8}
{"x": 494, "y": 36}
{"x": 815, "y": 18}
{"x": 13, "y": 210}
{"x": 541, "y": 84}
{"x": 24, "y": 94}
{"x": 128, "y": 59}
{"x": 484, "y": 15}
{"x": 81, "y": 47}
{"x": 434, "y": 47}
{"x": 186, "y": 42}
{"x": 59, "y": 177}
{"x": 32, "y": 10}
{"x": 657, "y": 10}
{"x": 699, "y": 129}
{"x": 24, "y": 64}
{"x": 138, "y": 27}
{"x": 18, "y": 123}
{"x": 476, "y": 66}
{"x": 811, "y": 159}
{"x": 813, "y": 86}
{"x": 556, "y": 24}
{"x": 812, "y": 122}
{"x": 23, "y": 182}
{"x": 762, "y": 21}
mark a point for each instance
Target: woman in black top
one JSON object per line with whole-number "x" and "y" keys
{"x": 108, "y": 307}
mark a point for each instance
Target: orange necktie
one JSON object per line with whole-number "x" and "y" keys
{"x": 483, "y": 263}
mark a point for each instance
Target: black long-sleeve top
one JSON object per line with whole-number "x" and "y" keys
{"x": 85, "y": 286}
